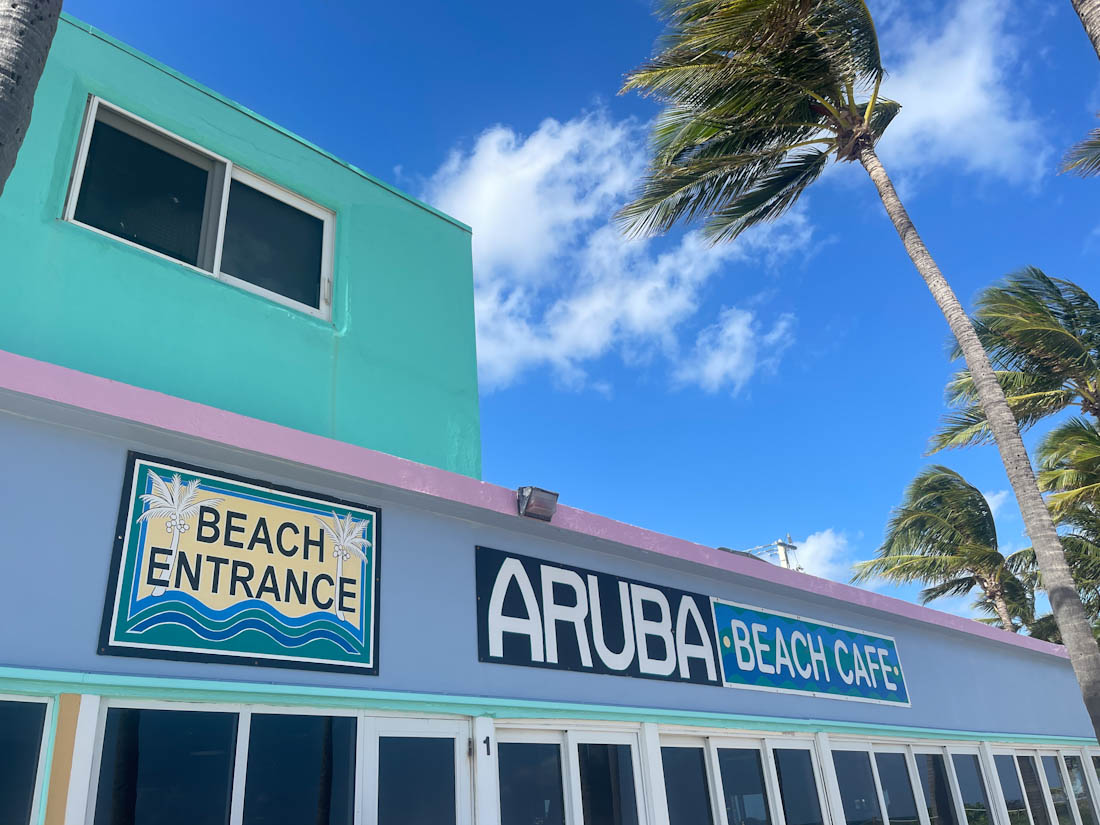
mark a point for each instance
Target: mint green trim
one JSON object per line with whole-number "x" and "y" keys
{"x": 53, "y": 682}
{"x": 118, "y": 44}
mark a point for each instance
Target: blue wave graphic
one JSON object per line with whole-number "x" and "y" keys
{"x": 218, "y": 635}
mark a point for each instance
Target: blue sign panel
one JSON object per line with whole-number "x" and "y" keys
{"x": 774, "y": 651}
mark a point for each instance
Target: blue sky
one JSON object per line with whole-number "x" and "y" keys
{"x": 786, "y": 383}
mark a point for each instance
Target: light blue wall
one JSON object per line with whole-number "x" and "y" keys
{"x": 61, "y": 486}
{"x": 395, "y": 370}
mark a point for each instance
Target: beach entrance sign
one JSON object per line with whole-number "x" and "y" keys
{"x": 213, "y": 567}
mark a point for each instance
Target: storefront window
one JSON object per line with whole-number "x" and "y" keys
{"x": 300, "y": 769}
{"x": 797, "y": 787}
{"x": 607, "y": 784}
{"x": 932, "y": 771}
{"x": 686, "y": 786}
{"x": 166, "y": 767}
{"x": 857, "y": 788}
{"x": 21, "y": 726}
{"x": 746, "y": 797}
{"x": 530, "y": 784}
{"x": 897, "y": 790}
{"x": 1034, "y": 790}
{"x": 1012, "y": 790}
{"x": 416, "y": 781}
{"x": 1080, "y": 788}
{"x": 972, "y": 789}
{"x": 1057, "y": 790}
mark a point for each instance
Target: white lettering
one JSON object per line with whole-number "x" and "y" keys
{"x": 761, "y": 648}
{"x": 872, "y": 665}
{"x": 846, "y": 677}
{"x": 554, "y": 612}
{"x": 818, "y": 655}
{"x": 796, "y": 637}
{"x": 742, "y": 646}
{"x": 499, "y": 624}
{"x": 686, "y": 650}
{"x": 622, "y": 659}
{"x": 859, "y": 666}
{"x": 782, "y": 655}
{"x": 645, "y": 628}
{"x": 882, "y": 654}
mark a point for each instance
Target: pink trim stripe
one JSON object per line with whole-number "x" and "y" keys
{"x": 102, "y": 395}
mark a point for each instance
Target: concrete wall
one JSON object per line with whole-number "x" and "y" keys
{"x": 61, "y": 486}
{"x": 395, "y": 369}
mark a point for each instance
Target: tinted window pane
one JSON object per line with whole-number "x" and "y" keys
{"x": 416, "y": 781}
{"x": 797, "y": 787}
{"x": 857, "y": 788}
{"x": 607, "y": 784}
{"x": 20, "y": 739}
{"x": 893, "y": 775}
{"x": 1080, "y": 789}
{"x": 143, "y": 194}
{"x": 1057, "y": 790}
{"x": 166, "y": 767}
{"x": 937, "y": 793}
{"x": 530, "y": 784}
{"x": 1012, "y": 790}
{"x": 300, "y": 769}
{"x": 272, "y": 245}
{"x": 686, "y": 786}
{"x": 743, "y": 785}
{"x": 1036, "y": 800}
{"x": 972, "y": 788}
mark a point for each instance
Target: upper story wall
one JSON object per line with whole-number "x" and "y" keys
{"x": 395, "y": 367}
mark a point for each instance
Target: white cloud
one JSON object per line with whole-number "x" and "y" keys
{"x": 958, "y": 83}
{"x": 555, "y": 282}
{"x": 728, "y": 352}
{"x": 996, "y": 500}
{"x": 825, "y": 554}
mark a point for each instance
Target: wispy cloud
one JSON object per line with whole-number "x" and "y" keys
{"x": 996, "y": 500}
{"x": 827, "y": 554}
{"x": 557, "y": 285}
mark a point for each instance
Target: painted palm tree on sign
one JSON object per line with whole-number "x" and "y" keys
{"x": 347, "y": 540}
{"x": 759, "y": 96}
{"x": 177, "y": 503}
{"x": 943, "y": 535}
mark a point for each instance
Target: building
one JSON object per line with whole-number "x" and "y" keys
{"x": 251, "y": 575}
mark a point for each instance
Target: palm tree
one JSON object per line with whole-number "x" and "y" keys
{"x": 1089, "y": 12}
{"x": 1084, "y": 158}
{"x": 177, "y": 504}
{"x": 759, "y": 95}
{"x": 347, "y": 540}
{"x": 943, "y": 535}
{"x": 1069, "y": 470}
{"x": 26, "y": 32}
{"x": 1043, "y": 335}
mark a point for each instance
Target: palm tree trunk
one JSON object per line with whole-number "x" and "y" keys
{"x": 26, "y": 31}
{"x": 1065, "y": 602}
{"x": 1001, "y": 606}
{"x": 1089, "y": 12}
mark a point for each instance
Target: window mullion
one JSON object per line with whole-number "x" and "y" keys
{"x": 219, "y": 226}
{"x": 240, "y": 766}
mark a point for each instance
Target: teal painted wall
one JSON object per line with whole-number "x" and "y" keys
{"x": 395, "y": 370}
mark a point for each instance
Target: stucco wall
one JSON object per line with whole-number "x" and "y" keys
{"x": 61, "y": 486}
{"x": 395, "y": 369}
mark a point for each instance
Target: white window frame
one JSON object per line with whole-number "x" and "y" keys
{"x": 222, "y": 172}
{"x": 952, "y": 780}
{"x": 998, "y": 751}
{"x": 48, "y": 722}
{"x": 864, "y": 748}
{"x": 1089, "y": 777}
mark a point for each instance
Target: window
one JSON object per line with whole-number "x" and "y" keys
{"x": 937, "y": 791}
{"x": 607, "y": 784}
{"x": 416, "y": 780}
{"x": 798, "y": 786}
{"x": 1034, "y": 790}
{"x": 139, "y": 183}
{"x": 1012, "y": 789}
{"x": 21, "y": 726}
{"x": 686, "y": 786}
{"x": 857, "y": 787}
{"x": 972, "y": 788}
{"x": 1080, "y": 788}
{"x": 1057, "y": 790}
{"x": 530, "y": 783}
{"x": 897, "y": 789}
{"x": 743, "y": 786}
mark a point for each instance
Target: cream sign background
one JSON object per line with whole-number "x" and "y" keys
{"x": 213, "y": 566}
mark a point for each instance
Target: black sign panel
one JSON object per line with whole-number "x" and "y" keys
{"x": 538, "y": 613}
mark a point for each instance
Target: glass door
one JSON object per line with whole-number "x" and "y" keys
{"x": 416, "y": 771}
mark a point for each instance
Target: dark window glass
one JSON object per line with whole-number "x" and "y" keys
{"x": 1079, "y": 786}
{"x": 1096, "y": 765}
{"x": 530, "y": 784}
{"x": 300, "y": 769}
{"x": 857, "y": 788}
{"x": 1057, "y": 790}
{"x": 1012, "y": 790}
{"x": 686, "y": 786}
{"x": 743, "y": 786}
{"x": 893, "y": 776}
{"x": 797, "y": 787}
{"x": 20, "y": 739}
{"x": 972, "y": 788}
{"x": 166, "y": 767}
{"x": 937, "y": 792}
{"x": 416, "y": 781}
{"x": 142, "y": 194}
{"x": 607, "y": 784}
{"x": 1036, "y": 800}
{"x": 272, "y": 245}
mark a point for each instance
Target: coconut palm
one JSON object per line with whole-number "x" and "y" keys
{"x": 1089, "y": 12}
{"x": 1084, "y": 158}
{"x": 177, "y": 504}
{"x": 759, "y": 96}
{"x": 26, "y": 32}
{"x": 943, "y": 535}
{"x": 347, "y": 540}
{"x": 1043, "y": 335}
{"x": 1069, "y": 470}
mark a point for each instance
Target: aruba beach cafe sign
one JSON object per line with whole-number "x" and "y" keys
{"x": 214, "y": 567}
{"x": 537, "y": 613}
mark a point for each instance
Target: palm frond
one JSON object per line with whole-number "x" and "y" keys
{"x": 1084, "y": 158}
